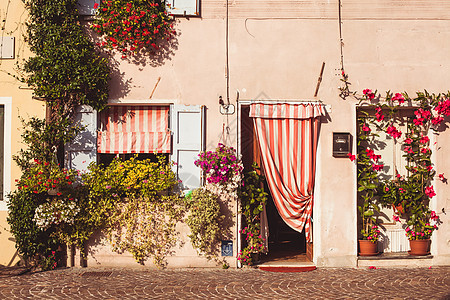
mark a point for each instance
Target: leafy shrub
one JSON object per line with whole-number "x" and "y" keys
{"x": 205, "y": 221}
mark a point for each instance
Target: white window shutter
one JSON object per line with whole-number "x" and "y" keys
{"x": 83, "y": 149}
{"x": 183, "y": 7}
{"x": 86, "y": 7}
{"x": 187, "y": 124}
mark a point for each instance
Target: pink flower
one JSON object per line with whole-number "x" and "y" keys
{"x": 433, "y": 215}
{"x": 441, "y": 177}
{"x": 408, "y": 141}
{"x": 409, "y": 150}
{"x": 396, "y": 218}
{"x": 392, "y": 131}
{"x": 424, "y": 150}
{"x": 372, "y": 268}
{"x": 366, "y": 128}
{"x": 429, "y": 191}
{"x": 369, "y": 94}
{"x": 398, "y": 97}
{"x": 424, "y": 140}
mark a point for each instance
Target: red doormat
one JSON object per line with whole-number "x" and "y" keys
{"x": 287, "y": 269}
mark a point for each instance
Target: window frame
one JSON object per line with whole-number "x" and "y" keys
{"x": 6, "y": 102}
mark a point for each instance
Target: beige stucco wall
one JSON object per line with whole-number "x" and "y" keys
{"x": 20, "y": 104}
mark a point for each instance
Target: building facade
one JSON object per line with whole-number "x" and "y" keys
{"x": 231, "y": 54}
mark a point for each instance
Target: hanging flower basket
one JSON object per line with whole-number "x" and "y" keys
{"x": 132, "y": 26}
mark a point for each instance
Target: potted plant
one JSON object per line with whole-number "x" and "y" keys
{"x": 368, "y": 183}
{"x": 419, "y": 228}
{"x": 253, "y": 198}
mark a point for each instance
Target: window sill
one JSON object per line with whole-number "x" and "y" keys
{"x": 394, "y": 255}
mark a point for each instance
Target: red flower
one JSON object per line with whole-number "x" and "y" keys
{"x": 441, "y": 177}
{"x": 437, "y": 120}
{"x": 443, "y": 107}
{"x": 351, "y": 156}
{"x": 369, "y": 94}
{"x": 377, "y": 167}
{"x": 58, "y": 193}
{"x": 95, "y": 5}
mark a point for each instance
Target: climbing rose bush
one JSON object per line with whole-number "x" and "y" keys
{"x": 132, "y": 26}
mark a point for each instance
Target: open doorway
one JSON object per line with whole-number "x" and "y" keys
{"x": 284, "y": 243}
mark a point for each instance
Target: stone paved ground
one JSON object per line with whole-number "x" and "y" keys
{"x": 75, "y": 283}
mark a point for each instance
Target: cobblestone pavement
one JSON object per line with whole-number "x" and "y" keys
{"x": 76, "y": 283}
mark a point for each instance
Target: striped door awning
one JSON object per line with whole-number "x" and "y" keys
{"x": 287, "y": 135}
{"x": 134, "y": 129}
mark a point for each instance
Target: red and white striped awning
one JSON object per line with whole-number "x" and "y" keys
{"x": 286, "y": 110}
{"x": 134, "y": 129}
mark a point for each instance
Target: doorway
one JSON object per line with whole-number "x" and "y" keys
{"x": 284, "y": 243}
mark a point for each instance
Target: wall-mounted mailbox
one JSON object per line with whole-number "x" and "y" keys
{"x": 341, "y": 144}
{"x": 227, "y": 248}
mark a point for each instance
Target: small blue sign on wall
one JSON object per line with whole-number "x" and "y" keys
{"x": 227, "y": 248}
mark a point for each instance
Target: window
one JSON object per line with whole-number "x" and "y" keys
{"x": 175, "y": 7}
{"x": 2, "y": 148}
{"x": 5, "y": 149}
{"x": 86, "y": 7}
{"x": 183, "y": 7}
{"x": 176, "y": 131}
{"x": 391, "y": 151}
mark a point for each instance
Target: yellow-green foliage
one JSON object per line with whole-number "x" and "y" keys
{"x": 133, "y": 202}
{"x": 205, "y": 221}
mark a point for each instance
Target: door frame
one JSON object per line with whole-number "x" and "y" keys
{"x": 315, "y": 233}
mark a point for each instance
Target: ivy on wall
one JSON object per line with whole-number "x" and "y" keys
{"x": 65, "y": 69}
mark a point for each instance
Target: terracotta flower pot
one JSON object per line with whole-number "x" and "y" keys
{"x": 419, "y": 247}
{"x": 367, "y": 248}
{"x": 398, "y": 209}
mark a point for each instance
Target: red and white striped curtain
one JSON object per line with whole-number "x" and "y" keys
{"x": 287, "y": 135}
{"x": 134, "y": 129}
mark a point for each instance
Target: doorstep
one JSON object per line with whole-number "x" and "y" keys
{"x": 395, "y": 259}
{"x": 287, "y": 266}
